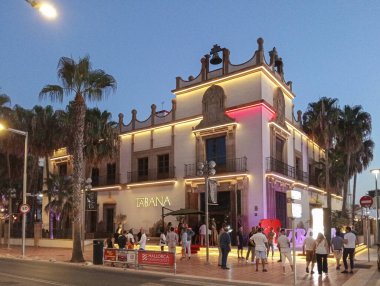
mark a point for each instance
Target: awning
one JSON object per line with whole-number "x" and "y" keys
{"x": 184, "y": 212}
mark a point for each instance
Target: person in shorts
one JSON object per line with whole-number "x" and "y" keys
{"x": 261, "y": 243}
{"x": 308, "y": 248}
{"x": 337, "y": 248}
{"x": 284, "y": 246}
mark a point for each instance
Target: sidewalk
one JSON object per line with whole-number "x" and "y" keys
{"x": 365, "y": 274}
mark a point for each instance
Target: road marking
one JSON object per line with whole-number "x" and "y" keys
{"x": 34, "y": 279}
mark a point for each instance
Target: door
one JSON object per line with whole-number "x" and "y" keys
{"x": 281, "y": 208}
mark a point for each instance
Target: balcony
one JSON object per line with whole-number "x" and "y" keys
{"x": 100, "y": 181}
{"x": 150, "y": 175}
{"x": 235, "y": 165}
{"x": 277, "y": 166}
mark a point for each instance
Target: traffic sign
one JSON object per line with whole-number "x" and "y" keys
{"x": 24, "y": 208}
{"x": 366, "y": 201}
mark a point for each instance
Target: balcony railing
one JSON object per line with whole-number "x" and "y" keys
{"x": 290, "y": 171}
{"x": 233, "y": 165}
{"x": 150, "y": 175}
{"x": 99, "y": 181}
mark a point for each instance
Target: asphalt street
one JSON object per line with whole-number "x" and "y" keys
{"x": 33, "y": 273}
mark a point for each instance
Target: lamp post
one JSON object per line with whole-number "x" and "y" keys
{"x": 206, "y": 169}
{"x": 376, "y": 172}
{"x": 24, "y": 133}
{"x": 44, "y": 8}
{"x": 87, "y": 188}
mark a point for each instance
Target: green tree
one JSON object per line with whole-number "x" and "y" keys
{"x": 354, "y": 128}
{"x": 320, "y": 123}
{"x": 86, "y": 84}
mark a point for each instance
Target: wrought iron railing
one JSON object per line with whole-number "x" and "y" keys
{"x": 233, "y": 165}
{"x": 150, "y": 175}
{"x": 98, "y": 181}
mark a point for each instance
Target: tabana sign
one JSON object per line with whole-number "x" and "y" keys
{"x": 156, "y": 258}
{"x": 24, "y": 208}
{"x": 366, "y": 201}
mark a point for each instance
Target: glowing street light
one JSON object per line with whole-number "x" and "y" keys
{"x": 24, "y": 133}
{"x": 46, "y": 9}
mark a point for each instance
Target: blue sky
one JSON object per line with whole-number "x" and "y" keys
{"x": 329, "y": 48}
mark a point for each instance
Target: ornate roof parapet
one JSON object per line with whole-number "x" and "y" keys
{"x": 156, "y": 118}
{"x": 275, "y": 66}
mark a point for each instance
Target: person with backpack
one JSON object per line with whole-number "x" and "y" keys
{"x": 122, "y": 240}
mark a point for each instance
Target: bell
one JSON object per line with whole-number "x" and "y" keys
{"x": 215, "y": 60}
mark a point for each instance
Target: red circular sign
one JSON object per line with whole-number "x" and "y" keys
{"x": 24, "y": 208}
{"x": 366, "y": 201}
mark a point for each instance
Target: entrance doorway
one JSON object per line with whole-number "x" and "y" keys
{"x": 281, "y": 208}
{"x": 109, "y": 216}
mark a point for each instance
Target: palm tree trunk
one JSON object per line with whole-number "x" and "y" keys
{"x": 345, "y": 187}
{"x": 79, "y": 114}
{"x": 328, "y": 194}
{"x": 353, "y": 201}
{"x": 9, "y": 166}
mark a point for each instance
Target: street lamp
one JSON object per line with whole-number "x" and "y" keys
{"x": 46, "y": 9}
{"x": 206, "y": 169}
{"x": 376, "y": 172}
{"x": 24, "y": 133}
{"x": 87, "y": 188}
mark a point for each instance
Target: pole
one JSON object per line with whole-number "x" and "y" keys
{"x": 9, "y": 220}
{"x": 294, "y": 252}
{"x": 368, "y": 234}
{"x": 377, "y": 210}
{"x": 24, "y": 193}
{"x": 83, "y": 218}
{"x": 207, "y": 223}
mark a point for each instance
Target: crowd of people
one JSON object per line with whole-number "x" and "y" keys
{"x": 260, "y": 246}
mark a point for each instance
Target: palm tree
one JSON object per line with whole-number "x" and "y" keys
{"x": 101, "y": 138}
{"x": 320, "y": 122}
{"x": 85, "y": 84}
{"x": 355, "y": 127}
{"x": 360, "y": 162}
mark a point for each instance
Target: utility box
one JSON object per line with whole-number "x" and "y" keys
{"x": 98, "y": 245}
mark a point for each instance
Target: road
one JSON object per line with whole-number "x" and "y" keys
{"x": 33, "y": 273}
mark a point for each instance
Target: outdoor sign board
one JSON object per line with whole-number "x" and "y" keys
{"x": 156, "y": 258}
{"x": 110, "y": 254}
{"x": 366, "y": 201}
{"x": 24, "y": 208}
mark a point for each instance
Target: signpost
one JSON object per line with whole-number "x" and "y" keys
{"x": 366, "y": 202}
{"x": 24, "y": 208}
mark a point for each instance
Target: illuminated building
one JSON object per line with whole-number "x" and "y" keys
{"x": 240, "y": 116}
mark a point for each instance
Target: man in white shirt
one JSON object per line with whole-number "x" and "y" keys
{"x": 284, "y": 246}
{"x": 142, "y": 240}
{"x": 309, "y": 247}
{"x": 202, "y": 234}
{"x": 349, "y": 249}
{"x": 261, "y": 243}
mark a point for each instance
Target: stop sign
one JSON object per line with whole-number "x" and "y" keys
{"x": 366, "y": 201}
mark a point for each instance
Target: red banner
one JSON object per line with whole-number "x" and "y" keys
{"x": 156, "y": 258}
{"x": 110, "y": 254}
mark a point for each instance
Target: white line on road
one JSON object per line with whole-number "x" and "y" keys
{"x": 34, "y": 279}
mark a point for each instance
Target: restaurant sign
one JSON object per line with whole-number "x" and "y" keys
{"x": 145, "y": 202}
{"x": 156, "y": 258}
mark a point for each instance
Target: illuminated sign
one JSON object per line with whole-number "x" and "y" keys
{"x": 145, "y": 202}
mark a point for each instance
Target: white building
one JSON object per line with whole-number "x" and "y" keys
{"x": 240, "y": 116}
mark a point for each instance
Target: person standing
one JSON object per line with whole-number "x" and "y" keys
{"x": 202, "y": 234}
{"x": 271, "y": 236}
{"x": 162, "y": 240}
{"x": 337, "y": 248}
{"x": 284, "y": 245}
{"x": 183, "y": 242}
{"x": 309, "y": 248}
{"x": 142, "y": 240}
{"x": 251, "y": 246}
{"x": 219, "y": 249}
{"x": 122, "y": 240}
{"x": 261, "y": 243}
{"x": 172, "y": 240}
{"x": 349, "y": 249}
{"x": 130, "y": 239}
{"x": 190, "y": 234}
{"x": 321, "y": 251}
{"x": 225, "y": 246}
{"x": 239, "y": 239}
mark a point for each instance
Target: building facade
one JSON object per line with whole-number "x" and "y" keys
{"x": 240, "y": 116}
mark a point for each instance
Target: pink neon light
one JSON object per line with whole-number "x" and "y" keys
{"x": 249, "y": 110}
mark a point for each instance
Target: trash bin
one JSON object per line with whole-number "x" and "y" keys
{"x": 98, "y": 251}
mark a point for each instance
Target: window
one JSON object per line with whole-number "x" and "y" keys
{"x": 111, "y": 174}
{"x": 216, "y": 150}
{"x": 143, "y": 167}
{"x": 62, "y": 169}
{"x": 95, "y": 177}
{"x": 279, "y": 149}
{"x": 163, "y": 164}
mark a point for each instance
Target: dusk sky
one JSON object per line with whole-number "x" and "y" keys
{"x": 329, "y": 48}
